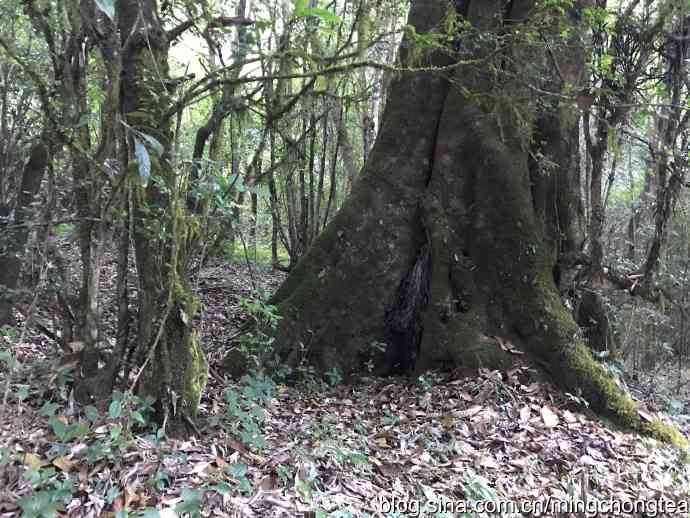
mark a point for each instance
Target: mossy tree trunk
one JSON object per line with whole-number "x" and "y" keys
{"x": 171, "y": 361}
{"x": 444, "y": 241}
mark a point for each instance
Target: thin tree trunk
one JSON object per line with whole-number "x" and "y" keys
{"x": 347, "y": 152}
{"x": 276, "y": 225}
{"x": 172, "y": 368}
{"x": 366, "y": 118}
{"x": 311, "y": 199}
{"x": 303, "y": 205}
{"x": 333, "y": 191}
{"x": 322, "y": 173}
{"x": 670, "y": 155}
{"x": 14, "y": 235}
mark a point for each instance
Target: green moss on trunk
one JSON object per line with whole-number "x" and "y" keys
{"x": 176, "y": 370}
{"x": 334, "y": 303}
{"x": 196, "y": 376}
{"x": 451, "y": 170}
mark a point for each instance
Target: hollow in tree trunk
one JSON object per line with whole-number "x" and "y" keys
{"x": 442, "y": 242}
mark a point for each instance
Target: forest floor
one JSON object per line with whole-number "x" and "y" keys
{"x": 383, "y": 447}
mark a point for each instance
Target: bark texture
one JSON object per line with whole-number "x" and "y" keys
{"x": 172, "y": 363}
{"x": 14, "y": 231}
{"x": 443, "y": 242}
{"x": 335, "y": 299}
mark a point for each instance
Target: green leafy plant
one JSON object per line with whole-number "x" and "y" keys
{"x": 476, "y": 487}
{"x": 125, "y": 414}
{"x": 389, "y": 418}
{"x": 67, "y": 432}
{"x": 6, "y": 456}
{"x": 160, "y": 481}
{"x": 345, "y": 456}
{"x": 131, "y": 409}
{"x": 49, "y": 496}
{"x": 7, "y": 359}
{"x": 64, "y": 230}
{"x": 8, "y": 333}
{"x": 284, "y": 473}
{"x": 191, "y": 504}
{"x": 334, "y": 377}
{"x": 426, "y": 382}
{"x": 239, "y": 473}
{"x": 246, "y": 409}
{"x": 256, "y": 344}
{"x": 305, "y": 485}
{"x": 375, "y": 349}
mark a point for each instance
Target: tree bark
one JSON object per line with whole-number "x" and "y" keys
{"x": 172, "y": 365}
{"x": 440, "y": 245}
{"x": 670, "y": 164}
{"x": 359, "y": 243}
{"x": 14, "y": 236}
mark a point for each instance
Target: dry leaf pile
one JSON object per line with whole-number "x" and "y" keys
{"x": 330, "y": 452}
{"x": 340, "y": 450}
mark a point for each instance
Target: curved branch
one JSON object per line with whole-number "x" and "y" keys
{"x": 221, "y": 21}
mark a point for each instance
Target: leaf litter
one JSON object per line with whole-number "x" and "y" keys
{"x": 334, "y": 451}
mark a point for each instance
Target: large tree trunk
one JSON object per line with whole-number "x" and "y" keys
{"x": 442, "y": 243}
{"x": 173, "y": 368}
{"x": 334, "y": 299}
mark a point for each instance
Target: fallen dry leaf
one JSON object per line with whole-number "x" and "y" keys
{"x": 32, "y": 461}
{"x": 63, "y": 463}
{"x": 550, "y": 419}
{"x": 390, "y": 469}
{"x": 569, "y": 418}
